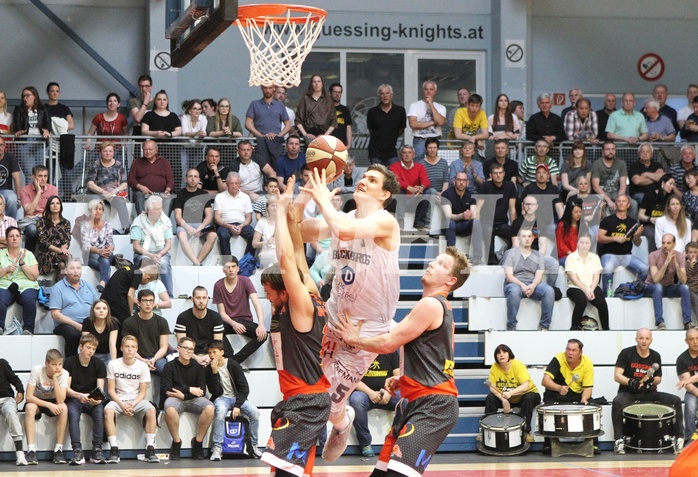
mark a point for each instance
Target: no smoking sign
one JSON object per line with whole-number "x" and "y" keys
{"x": 650, "y": 67}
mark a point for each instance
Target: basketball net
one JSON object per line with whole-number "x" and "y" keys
{"x": 279, "y": 38}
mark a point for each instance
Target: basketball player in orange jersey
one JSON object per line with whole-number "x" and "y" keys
{"x": 428, "y": 409}
{"x": 296, "y": 331}
{"x": 364, "y": 250}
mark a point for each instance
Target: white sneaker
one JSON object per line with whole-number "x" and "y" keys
{"x": 619, "y": 447}
{"x": 21, "y": 460}
{"x": 337, "y": 440}
{"x": 678, "y": 445}
{"x": 216, "y": 454}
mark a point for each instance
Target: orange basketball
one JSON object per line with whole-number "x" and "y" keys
{"x": 328, "y": 153}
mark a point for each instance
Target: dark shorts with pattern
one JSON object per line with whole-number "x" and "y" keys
{"x": 419, "y": 429}
{"x": 296, "y": 424}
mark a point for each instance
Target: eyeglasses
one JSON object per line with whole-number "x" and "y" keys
{"x": 186, "y": 348}
{"x": 148, "y": 300}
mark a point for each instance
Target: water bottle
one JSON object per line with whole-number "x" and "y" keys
{"x": 609, "y": 288}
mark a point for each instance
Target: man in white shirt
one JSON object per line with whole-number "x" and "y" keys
{"x": 425, "y": 118}
{"x": 252, "y": 170}
{"x": 232, "y": 214}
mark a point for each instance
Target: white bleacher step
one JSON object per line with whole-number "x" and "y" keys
{"x": 72, "y": 210}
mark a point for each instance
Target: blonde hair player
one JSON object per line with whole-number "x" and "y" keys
{"x": 364, "y": 249}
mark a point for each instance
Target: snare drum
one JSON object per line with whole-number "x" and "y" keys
{"x": 649, "y": 427}
{"x": 502, "y": 434}
{"x": 569, "y": 420}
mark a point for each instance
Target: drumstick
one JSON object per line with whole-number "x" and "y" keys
{"x": 575, "y": 377}
{"x": 650, "y": 373}
{"x": 489, "y": 384}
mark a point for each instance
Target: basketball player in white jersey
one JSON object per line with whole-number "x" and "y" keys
{"x": 366, "y": 287}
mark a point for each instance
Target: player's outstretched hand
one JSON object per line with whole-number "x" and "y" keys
{"x": 317, "y": 188}
{"x": 347, "y": 331}
{"x": 286, "y": 199}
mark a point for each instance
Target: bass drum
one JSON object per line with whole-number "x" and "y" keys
{"x": 649, "y": 427}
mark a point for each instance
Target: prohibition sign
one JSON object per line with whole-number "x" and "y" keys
{"x": 650, "y": 67}
{"x": 163, "y": 61}
{"x": 514, "y": 53}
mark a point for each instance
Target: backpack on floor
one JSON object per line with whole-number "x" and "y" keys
{"x": 235, "y": 436}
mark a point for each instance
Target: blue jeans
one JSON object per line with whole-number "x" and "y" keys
{"x": 165, "y": 270}
{"x": 223, "y": 405}
{"x": 543, "y": 293}
{"x": 224, "y": 237}
{"x": 464, "y": 228}
{"x": 75, "y": 410}
{"x": 657, "y": 291}
{"x": 30, "y": 154}
{"x": 690, "y": 403}
{"x": 26, "y": 299}
{"x": 420, "y": 147}
{"x": 362, "y": 404}
{"x": 102, "y": 265}
{"x": 611, "y": 262}
{"x": 10, "y": 202}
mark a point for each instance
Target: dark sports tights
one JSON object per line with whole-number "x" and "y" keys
{"x": 383, "y": 473}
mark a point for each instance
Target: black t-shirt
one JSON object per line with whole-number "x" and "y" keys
{"x": 501, "y": 208}
{"x": 200, "y": 330}
{"x": 637, "y": 168}
{"x": 653, "y": 205}
{"x": 545, "y": 197}
{"x": 103, "y": 337}
{"x": 8, "y": 165}
{"x": 616, "y": 227}
{"x": 208, "y": 178}
{"x": 380, "y": 370}
{"x": 458, "y": 204}
{"x": 58, "y": 110}
{"x": 193, "y": 210}
{"x": 686, "y": 364}
{"x": 84, "y": 378}
{"x": 343, "y": 120}
{"x": 385, "y": 129}
{"x": 636, "y": 367}
{"x": 519, "y": 223}
{"x": 116, "y": 290}
{"x": 148, "y": 333}
{"x": 511, "y": 168}
{"x": 161, "y": 123}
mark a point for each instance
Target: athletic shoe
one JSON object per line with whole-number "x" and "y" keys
{"x": 661, "y": 326}
{"x": 619, "y": 447}
{"x": 597, "y": 450}
{"x": 150, "y": 455}
{"x": 530, "y": 438}
{"x": 367, "y": 451}
{"x": 21, "y": 460}
{"x": 546, "y": 450}
{"x": 78, "y": 457}
{"x": 337, "y": 440}
{"x": 31, "y": 458}
{"x": 216, "y": 454}
{"x": 197, "y": 449}
{"x": 175, "y": 450}
{"x": 678, "y": 445}
{"x": 97, "y": 456}
{"x": 58, "y": 457}
{"x": 114, "y": 455}
{"x": 253, "y": 452}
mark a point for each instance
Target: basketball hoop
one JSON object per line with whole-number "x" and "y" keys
{"x": 279, "y": 38}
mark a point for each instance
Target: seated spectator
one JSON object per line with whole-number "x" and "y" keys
{"x": 200, "y": 324}
{"x": 194, "y": 218}
{"x": 8, "y": 404}
{"x": 667, "y": 279}
{"x": 616, "y": 237}
{"x": 151, "y": 235}
{"x": 70, "y": 304}
{"x": 107, "y": 179}
{"x": 271, "y": 187}
{"x": 211, "y": 172}
{"x": 229, "y": 390}
{"x": 583, "y": 270}
{"x": 33, "y": 198}
{"x": 414, "y": 183}
{"x": 572, "y": 169}
{"x": 528, "y": 167}
{"x": 194, "y": 127}
{"x": 5, "y": 223}
{"x": 568, "y": 229}
{"x": 291, "y": 163}
{"x": 438, "y": 170}
{"x": 627, "y": 124}
{"x": 54, "y": 239}
{"x": 659, "y": 127}
{"x": 370, "y": 393}
{"x": 471, "y": 166}
{"x": 18, "y": 273}
{"x": 652, "y": 208}
{"x": 232, "y": 295}
{"x": 105, "y": 328}
{"x": 689, "y": 198}
{"x": 97, "y": 240}
{"x": 120, "y": 291}
{"x": 496, "y": 212}
{"x": 644, "y": 173}
{"x": 678, "y": 171}
{"x": 232, "y": 214}
{"x": 151, "y": 331}
{"x": 593, "y": 207}
{"x": 127, "y": 384}
{"x": 460, "y": 210}
{"x": 609, "y": 179}
{"x": 184, "y": 390}
{"x": 689, "y": 131}
{"x": 252, "y": 170}
{"x": 352, "y": 175}
{"x": 9, "y": 178}
{"x": 86, "y": 373}
{"x": 46, "y": 393}
{"x": 547, "y": 195}
{"x": 109, "y": 123}
{"x": 263, "y": 239}
{"x": 581, "y": 123}
{"x": 523, "y": 278}
{"x": 674, "y": 222}
{"x": 322, "y": 272}
{"x": 501, "y": 156}
{"x": 162, "y": 298}
{"x": 150, "y": 175}
{"x": 160, "y": 122}
{"x": 223, "y": 124}
{"x": 503, "y": 124}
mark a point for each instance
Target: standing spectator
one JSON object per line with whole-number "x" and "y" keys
{"x": 109, "y": 123}
{"x": 689, "y": 130}
{"x": 194, "y": 127}
{"x": 575, "y": 94}
{"x": 501, "y": 156}
{"x": 97, "y": 242}
{"x": 568, "y": 230}
{"x": 496, "y": 212}
{"x": 517, "y": 109}
{"x": 426, "y": 117}
{"x": 31, "y": 119}
{"x": 232, "y": 214}
{"x": 644, "y": 173}
{"x": 184, "y": 390}
{"x": 683, "y": 113}
{"x": 200, "y": 324}
{"x": 87, "y": 373}
{"x": 471, "y": 166}
{"x": 5, "y": 222}
{"x": 151, "y": 331}
{"x": 150, "y": 175}
{"x": 5, "y": 117}
{"x": 161, "y": 123}
{"x": 105, "y": 328}
{"x": 140, "y": 105}
{"x": 660, "y": 94}
{"x": 208, "y": 106}
{"x": 678, "y": 170}
{"x": 470, "y": 124}
{"x": 315, "y": 114}
{"x": 267, "y": 120}
{"x": 291, "y": 163}
{"x": 609, "y": 178}
{"x": 33, "y": 198}
{"x": 687, "y": 369}
{"x": 503, "y": 124}
{"x": 529, "y": 166}
{"x": 151, "y": 236}
{"x": 194, "y": 218}
{"x": 54, "y": 239}
{"x": 581, "y": 123}
{"x": 386, "y": 123}
{"x": 583, "y": 269}
{"x": 70, "y": 303}
{"x": 280, "y": 95}
{"x": 58, "y": 110}
{"x": 120, "y": 291}
{"x": 343, "y": 129}
{"x": 18, "y": 274}
{"x": 674, "y": 222}
{"x": 211, "y": 172}
{"x": 9, "y": 178}
{"x": 627, "y": 124}
{"x": 659, "y": 127}
{"x": 370, "y": 393}
{"x": 463, "y": 95}
{"x": 8, "y": 403}
{"x": 572, "y": 169}
{"x": 460, "y": 210}
{"x": 545, "y": 125}
{"x": 414, "y": 183}
{"x": 609, "y": 107}
{"x": 107, "y": 179}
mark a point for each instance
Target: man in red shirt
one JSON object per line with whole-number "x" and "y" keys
{"x": 414, "y": 182}
{"x": 151, "y": 174}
